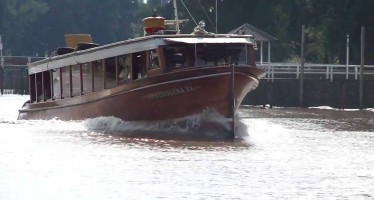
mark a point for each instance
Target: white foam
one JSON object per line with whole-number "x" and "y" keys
{"x": 209, "y": 122}
{"x": 10, "y": 104}
{"x": 324, "y": 108}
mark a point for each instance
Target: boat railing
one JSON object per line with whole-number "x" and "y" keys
{"x": 315, "y": 71}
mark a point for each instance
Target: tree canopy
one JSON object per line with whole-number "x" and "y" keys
{"x": 36, "y": 27}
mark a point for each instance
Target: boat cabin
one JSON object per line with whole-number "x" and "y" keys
{"x": 102, "y": 67}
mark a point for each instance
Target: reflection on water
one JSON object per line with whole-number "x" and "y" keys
{"x": 325, "y": 119}
{"x": 290, "y": 153}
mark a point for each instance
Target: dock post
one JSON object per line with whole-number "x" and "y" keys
{"x": 347, "y": 58}
{"x": 270, "y": 94}
{"x": 343, "y": 87}
{"x": 263, "y": 95}
{"x": 362, "y": 67}
{"x": 267, "y": 94}
{"x": 301, "y": 97}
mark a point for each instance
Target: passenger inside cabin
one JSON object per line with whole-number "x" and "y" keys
{"x": 39, "y": 90}
{"x": 154, "y": 59}
{"x": 110, "y": 71}
{"x": 176, "y": 57}
{"x": 124, "y": 66}
{"x": 138, "y": 65}
{"x": 47, "y": 85}
{"x": 56, "y": 83}
{"x": 98, "y": 75}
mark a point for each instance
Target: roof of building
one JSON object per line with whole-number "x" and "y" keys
{"x": 258, "y": 34}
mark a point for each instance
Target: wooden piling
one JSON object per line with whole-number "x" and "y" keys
{"x": 362, "y": 67}
{"x": 267, "y": 94}
{"x": 343, "y": 86}
{"x": 301, "y": 97}
{"x": 264, "y": 94}
{"x": 270, "y": 94}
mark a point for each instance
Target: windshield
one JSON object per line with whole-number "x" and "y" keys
{"x": 191, "y": 55}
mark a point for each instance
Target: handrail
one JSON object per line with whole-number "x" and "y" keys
{"x": 273, "y": 70}
{"x": 329, "y": 71}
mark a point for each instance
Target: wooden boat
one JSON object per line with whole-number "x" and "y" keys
{"x": 151, "y": 78}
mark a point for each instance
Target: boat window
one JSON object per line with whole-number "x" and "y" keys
{"x": 56, "y": 84}
{"x": 188, "y": 55}
{"x": 221, "y": 54}
{"x": 38, "y": 83}
{"x": 110, "y": 71}
{"x": 46, "y": 81}
{"x": 32, "y": 87}
{"x": 76, "y": 83}
{"x": 65, "y": 75}
{"x": 98, "y": 75}
{"x": 176, "y": 56}
{"x": 139, "y": 62}
{"x": 124, "y": 67}
{"x": 153, "y": 60}
{"x": 86, "y": 78}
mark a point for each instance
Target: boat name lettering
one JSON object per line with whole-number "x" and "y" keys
{"x": 171, "y": 92}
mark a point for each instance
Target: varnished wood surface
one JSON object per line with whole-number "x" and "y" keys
{"x": 171, "y": 95}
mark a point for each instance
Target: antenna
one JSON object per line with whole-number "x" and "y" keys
{"x": 189, "y": 12}
{"x": 176, "y": 16}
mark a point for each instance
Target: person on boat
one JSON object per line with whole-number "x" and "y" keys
{"x": 125, "y": 71}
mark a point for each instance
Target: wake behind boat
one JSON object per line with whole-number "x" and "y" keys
{"x": 152, "y": 78}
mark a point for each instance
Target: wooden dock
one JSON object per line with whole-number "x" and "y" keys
{"x": 13, "y": 75}
{"x": 331, "y": 85}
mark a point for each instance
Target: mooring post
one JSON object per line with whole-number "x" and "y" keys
{"x": 362, "y": 67}
{"x": 270, "y": 94}
{"x": 343, "y": 86}
{"x": 301, "y": 97}
{"x": 264, "y": 94}
{"x": 347, "y": 58}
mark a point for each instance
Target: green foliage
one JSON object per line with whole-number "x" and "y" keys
{"x": 36, "y": 27}
{"x": 15, "y": 17}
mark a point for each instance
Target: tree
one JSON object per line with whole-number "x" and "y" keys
{"x": 37, "y": 27}
{"x": 16, "y": 15}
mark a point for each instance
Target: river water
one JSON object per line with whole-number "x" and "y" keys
{"x": 289, "y": 153}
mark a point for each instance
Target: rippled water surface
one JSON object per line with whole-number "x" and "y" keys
{"x": 290, "y": 153}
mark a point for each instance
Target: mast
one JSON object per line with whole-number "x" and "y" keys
{"x": 176, "y": 16}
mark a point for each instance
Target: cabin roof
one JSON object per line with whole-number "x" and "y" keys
{"x": 258, "y": 34}
{"x": 207, "y": 40}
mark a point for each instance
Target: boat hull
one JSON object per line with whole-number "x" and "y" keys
{"x": 168, "y": 96}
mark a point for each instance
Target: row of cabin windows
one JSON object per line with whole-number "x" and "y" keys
{"x": 197, "y": 55}
{"x": 85, "y": 78}
{"x": 89, "y": 77}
